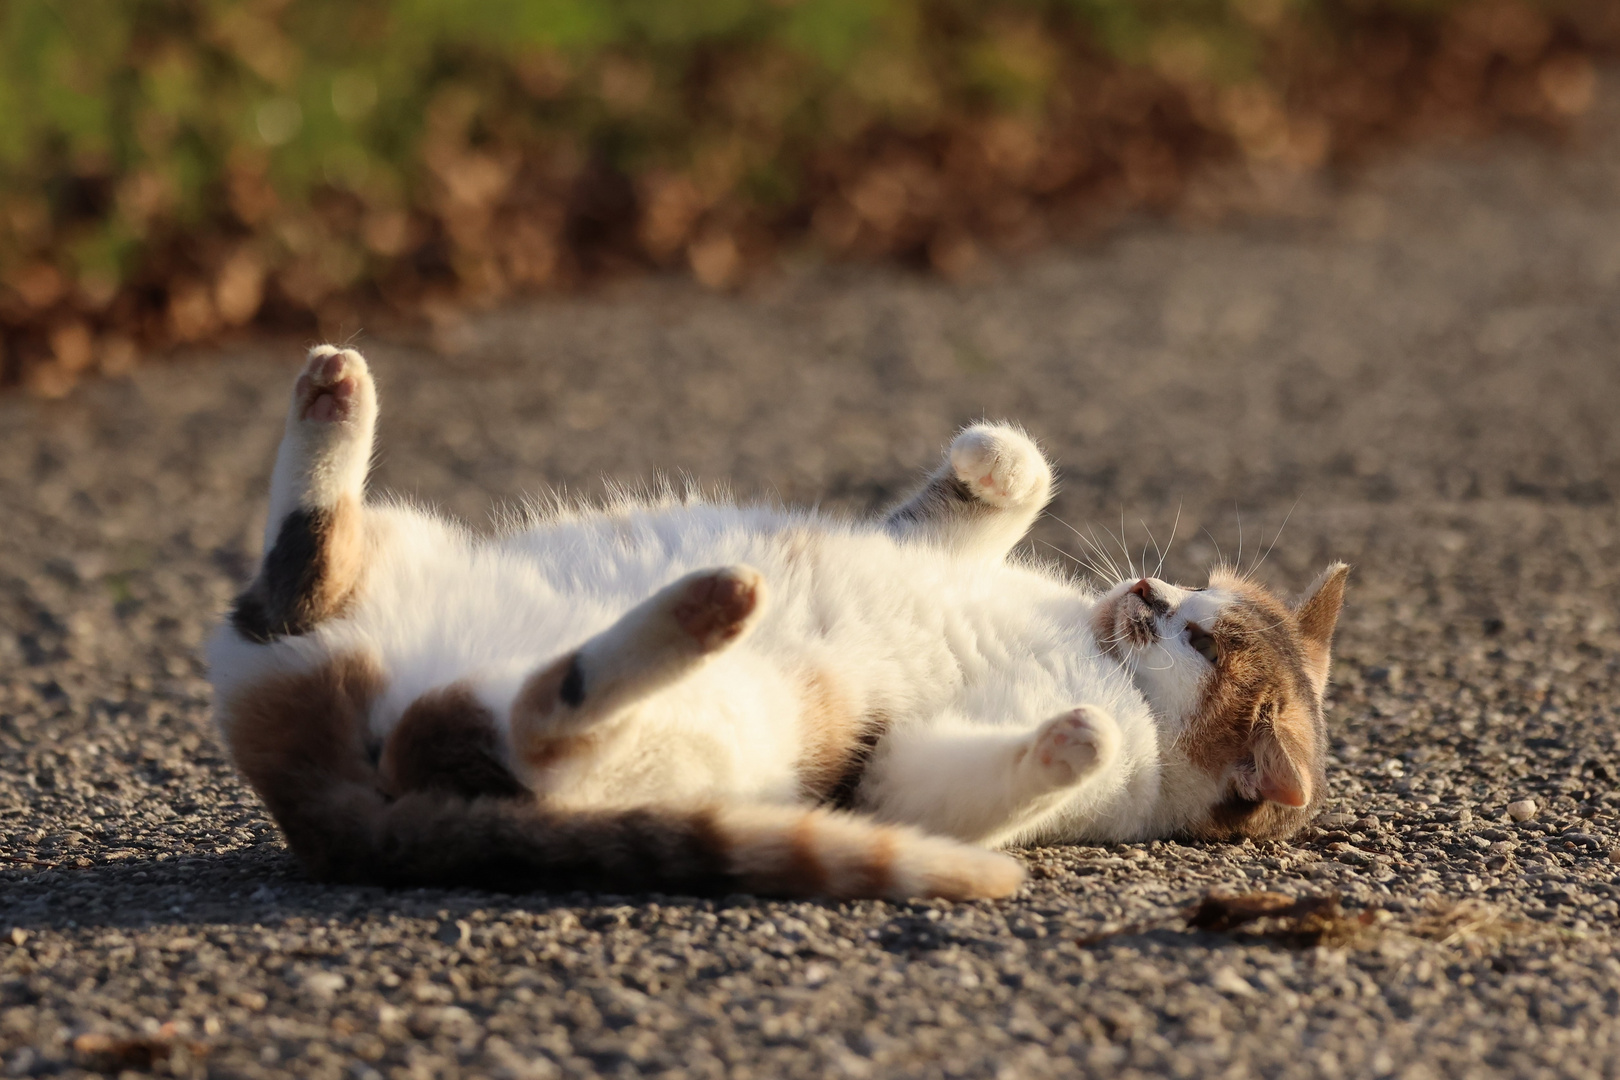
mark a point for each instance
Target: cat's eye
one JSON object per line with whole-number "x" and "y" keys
{"x": 1203, "y": 642}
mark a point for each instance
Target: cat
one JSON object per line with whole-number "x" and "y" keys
{"x": 664, "y": 693}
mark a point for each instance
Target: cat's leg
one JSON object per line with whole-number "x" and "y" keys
{"x": 983, "y": 498}
{"x": 652, "y": 646}
{"x": 314, "y": 544}
{"x": 988, "y": 784}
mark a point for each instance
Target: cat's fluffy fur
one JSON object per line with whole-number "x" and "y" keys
{"x": 671, "y": 694}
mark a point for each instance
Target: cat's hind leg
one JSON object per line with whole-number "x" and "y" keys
{"x": 652, "y": 646}
{"x": 992, "y": 485}
{"x": 988, "y": 784}
{"x": 314, "y": 544}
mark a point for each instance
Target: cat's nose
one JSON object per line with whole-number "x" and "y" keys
{"x": 1144, "y": 589}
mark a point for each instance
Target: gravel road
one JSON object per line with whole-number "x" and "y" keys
{"x": 1421, "y": 374}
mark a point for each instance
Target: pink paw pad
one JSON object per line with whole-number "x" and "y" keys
{"x": 327, "y": 389}
{"x": 1069, "y": 746}
{"x": 716, "y": 607}
{"x": 999, "y": 465}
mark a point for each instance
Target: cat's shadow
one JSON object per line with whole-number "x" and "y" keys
{"x": 258, "y": 885}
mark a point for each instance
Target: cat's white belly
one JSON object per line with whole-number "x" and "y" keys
{"x": 908, "y": 633}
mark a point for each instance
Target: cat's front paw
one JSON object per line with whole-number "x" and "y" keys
{"x": 1000, "y": 465}
{"x": 1073, "y": 745}
{"x": 334, "y": 387}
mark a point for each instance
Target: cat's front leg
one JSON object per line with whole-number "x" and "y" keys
{"x": 314, "y": 546}
{"x": 983, "y": 498}
{"x": 989, "y": 785}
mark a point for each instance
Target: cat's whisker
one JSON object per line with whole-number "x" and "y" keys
{"x": 1089, "y": 563}
{"x": 1084, "y": 564}
{"x": 1091, "y": 541}
{"x": 1129, "y": 565}
{"x": 1156, "y": 549}
{"x": 1220, "y": 559}
{"x": 1274, "y": 539}
{"x": 1171, "y": 542}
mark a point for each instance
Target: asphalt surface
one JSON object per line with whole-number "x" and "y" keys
{"x": 1421, "y": 373}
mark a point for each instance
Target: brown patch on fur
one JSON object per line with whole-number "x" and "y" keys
{"x": 1260, "y": 711}
{"x": 835, "y": 743}
{"x": 803, "y": 873}
{"x": 545, "y": 753}
{"x": 715, "y": 608}
{"x": 447, "y": 741}
{"x": 542, "y": 694}
{"x": 296, "y": 737}
{"x": 875, "y": 875}
{"x": 539, "y": 698}
{"x": 309, "y": 575}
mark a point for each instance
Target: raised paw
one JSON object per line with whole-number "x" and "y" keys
{"x": 1000, "y": 465}
{"x": 333, "y": 386}
{"x": 1072, "y": 745}
{"x": 715, "y": 608}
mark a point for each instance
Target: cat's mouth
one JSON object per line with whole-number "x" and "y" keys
{"x": 1126, "y": 622}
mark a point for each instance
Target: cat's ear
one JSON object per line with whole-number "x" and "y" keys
{"x": 1316, "y": 615}
{"x": 1281, "y": 766}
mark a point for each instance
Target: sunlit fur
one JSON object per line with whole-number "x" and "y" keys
{"x": 666, "y": 652}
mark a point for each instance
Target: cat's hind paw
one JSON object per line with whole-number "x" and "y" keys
{"x": 716, "y": 607}
{"x": 1071, "y": 746}
{"x": 334, "y": 387}
{"x": 1001, "y": 465}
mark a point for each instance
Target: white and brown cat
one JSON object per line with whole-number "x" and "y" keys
{"x": 685, "y": 696}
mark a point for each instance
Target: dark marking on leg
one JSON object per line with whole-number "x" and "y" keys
{"x": 572, "y": 690}
{"x": 842, "y": 794}
{"x": 307, "y": 577}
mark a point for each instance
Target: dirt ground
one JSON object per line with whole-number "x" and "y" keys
{"x": 1421, "y": 375}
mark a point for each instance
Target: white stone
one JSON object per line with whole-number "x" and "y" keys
{"x": 324, "y": 983}
{"x": 1522, "y": 809}
{"x": 1228, "y": 981}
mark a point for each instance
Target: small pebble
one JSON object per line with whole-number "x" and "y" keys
{"x": 1614, "y": 854}
{"x": 324, "y": 984}
{"x": 1336, "y": 821}
{"x": 1230, "y": 982}
{"x": 1522, "y": 809}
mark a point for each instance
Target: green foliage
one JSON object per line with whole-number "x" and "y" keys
{"x": 127, "y": 124}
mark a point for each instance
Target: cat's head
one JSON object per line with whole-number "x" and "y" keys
{"x": 1235, "y": 677}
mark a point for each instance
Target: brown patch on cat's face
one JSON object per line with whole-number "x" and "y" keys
{"x": 297, "y": 737}
{"x": 447, "y": 741}
{"x": 1259, "y": 728}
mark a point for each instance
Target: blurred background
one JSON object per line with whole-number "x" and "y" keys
{"x": 176, "y": 171}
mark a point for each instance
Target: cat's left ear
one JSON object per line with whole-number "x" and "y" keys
{"x": 1316, "y": 615}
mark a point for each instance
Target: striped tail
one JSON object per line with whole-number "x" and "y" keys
{"x": 433, "y": 839}
{"x": 300, "y": 739}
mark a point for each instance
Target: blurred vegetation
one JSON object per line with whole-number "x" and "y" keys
{"x": 172, "y": 169}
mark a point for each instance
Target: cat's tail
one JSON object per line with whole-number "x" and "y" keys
{"x": 434, "y": 839}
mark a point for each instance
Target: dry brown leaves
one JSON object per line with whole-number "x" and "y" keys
{"x": 1471, "y": 926}
{"x": 116, "y": 1053}
{"x": 497, "y": 214}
